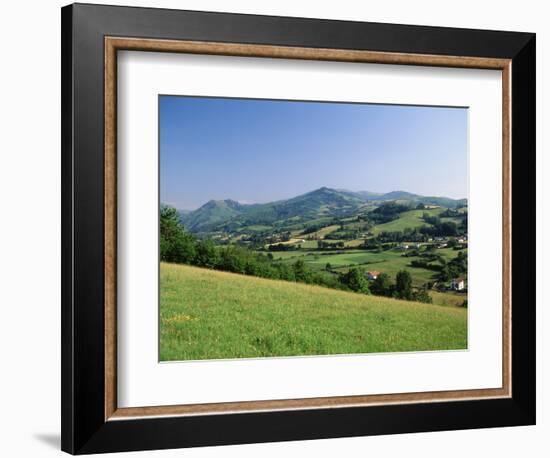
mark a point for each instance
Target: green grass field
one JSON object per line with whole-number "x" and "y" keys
{"x": 408, "y": 219}
{"x": 206, "y": 314}
{"x": 448, "y": 298}
{"x": 321, "y": 233}
{"x": 390, "y": 262}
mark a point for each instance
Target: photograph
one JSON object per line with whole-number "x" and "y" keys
{"x": 301, "y": 228}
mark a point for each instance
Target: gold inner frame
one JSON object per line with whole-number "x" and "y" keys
{"x": 112, "y": 45}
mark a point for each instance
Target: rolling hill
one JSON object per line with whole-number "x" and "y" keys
{"x": 279, "y": 318}
{"x": 230, "y": 216}
{"x": 404, "y": 196}
{"x": 211, "y": 213}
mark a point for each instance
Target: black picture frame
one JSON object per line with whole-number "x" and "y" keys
{"x": 84, "y": 429}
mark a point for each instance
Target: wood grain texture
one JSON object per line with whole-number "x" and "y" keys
{"x": 289, "y": 52}
{"x": 112, "y": 44}
{"x": 110, "y": 198}
{"x": 507, "y": 228}
{"x": 306, "y": 403}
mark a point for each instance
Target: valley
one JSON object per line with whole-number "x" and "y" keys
{"x": 332, "y": 231}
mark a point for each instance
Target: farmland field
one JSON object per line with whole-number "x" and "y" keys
{"x": 324, "y": 231}
{"x": 390, "y": 261}
{"x": 409, "y": 219}
{"x": 207, "y": 314}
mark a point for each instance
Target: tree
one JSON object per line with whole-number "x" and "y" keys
{"x": 207, "y": 255}
{"x": 328, "y": 267}
{"x": 420, "y": 206}
{"x": 403, "y": 285}
{"x": 448, "y": 228}
{"x": 232, "y": 259}
{"x": 382, "y": 285}
{"x": 355, "y": 280}
{"x": 175, "y": 244}
{"x": 300, "y": 272}
{"x": 285, "y": 272}
{"x": 445, "y": 273}
{"x": 422, "y": 296}
{"x": 451, "y": 243}
{"x": 455, "y": 267}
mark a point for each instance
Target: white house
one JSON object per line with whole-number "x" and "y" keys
{"x": 457, "y": 284}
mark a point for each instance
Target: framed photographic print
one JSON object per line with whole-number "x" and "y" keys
{"x": 282, "y": 228}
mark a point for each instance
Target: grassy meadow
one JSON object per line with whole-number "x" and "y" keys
{"x": 208, "y": 314}
{"x": 390, "y": 262}
{"x": 409, "y": 219}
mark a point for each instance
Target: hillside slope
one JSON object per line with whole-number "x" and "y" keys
{"x": 229, "y": 215}
{"x": 206, "y": 314}
{"x": 211, "y": 213}
{"x": 411, "y": 219}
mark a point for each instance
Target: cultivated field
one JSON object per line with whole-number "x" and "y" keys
{"x": 390, "y": 262}
{"x": 408, "y": 219}
{"x": 207, "y": 314}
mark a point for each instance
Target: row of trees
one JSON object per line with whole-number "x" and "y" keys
{"x": 455, "y": 267}
{"x": 322, "y": 245}
{"x": 418, "y": 234}
{"x": 387, "y": 212}
{"x": 284, "y": 247}
{"x": 401, "y": 289}
{"x": 447, "y": 270}
{"x": 356, "y": 280}
{"x": 441, "y": 228}
{"x": 178, "y": 246}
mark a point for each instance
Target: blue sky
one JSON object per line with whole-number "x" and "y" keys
{"x": 263, "y": 150}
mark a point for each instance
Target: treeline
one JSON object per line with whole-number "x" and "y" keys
{"x": 322, "y": 245}
{"x": 455, "y": 267}
{"x": 387, "y": 212}
{"x": 453, "y": 213}
{"x": 179, "y": 246}
{"x": 419, "y": 234}
{"x": 447, "y": 269}
{"x": 284, "y": 247}
{"x": 401, "y": 289}
{"x": 442, "y": 229}
{"x": 343, "y": 234}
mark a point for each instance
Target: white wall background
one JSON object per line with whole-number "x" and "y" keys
{"x": 30, "y": 227}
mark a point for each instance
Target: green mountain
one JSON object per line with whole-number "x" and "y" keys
{"x": 399, "y": 195}
{"x": 368, "y": 195}
{"x": 321, "y": 202}
{"x": 230, "y": 216}
{"x": 442, "y": 201}
{"x": 404, "y": 196}
{"x": 210, "y": 214}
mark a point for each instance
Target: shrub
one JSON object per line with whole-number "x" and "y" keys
{"x": 355, "y": 280}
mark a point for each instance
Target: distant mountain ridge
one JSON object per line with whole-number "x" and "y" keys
{"x": 229, "y": 215}
{"x": 408, "y": 196}
{"x": 211, "y": 213}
